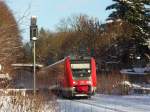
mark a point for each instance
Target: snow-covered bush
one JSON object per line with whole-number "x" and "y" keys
{"x": 27, "y": 103}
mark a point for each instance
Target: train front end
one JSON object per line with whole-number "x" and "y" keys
{"x": 82, "y": 77}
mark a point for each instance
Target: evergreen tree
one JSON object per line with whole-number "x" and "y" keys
{"x": 135, "y": 13}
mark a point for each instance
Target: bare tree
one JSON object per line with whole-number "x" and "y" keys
{"x": 10, "y": 40}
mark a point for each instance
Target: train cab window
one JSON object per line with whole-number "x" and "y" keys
{"x": 81, "y": 72}
{"x": 81, "y": 69}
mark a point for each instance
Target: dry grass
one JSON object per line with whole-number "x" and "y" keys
{"x": 28, "y": 103}
{"x": 110, "y": 83}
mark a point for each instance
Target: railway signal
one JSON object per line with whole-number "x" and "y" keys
{"x": 33, "y": 38}
{"x": 33, "y": 28}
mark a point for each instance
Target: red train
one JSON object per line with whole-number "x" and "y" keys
{"x": 72, "y": 77}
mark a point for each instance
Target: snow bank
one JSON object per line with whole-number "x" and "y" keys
{"x": 21, "y": 103}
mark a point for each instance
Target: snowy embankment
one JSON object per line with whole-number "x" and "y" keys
{"x": 107, "y": 103}
{"x": 28, "y": 103}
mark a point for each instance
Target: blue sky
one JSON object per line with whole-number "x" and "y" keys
{"x": 50, "y": 12}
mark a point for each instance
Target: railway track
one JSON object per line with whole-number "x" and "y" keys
{"x": 117, "y": 103}
{"x": 104, "y": 103}
{"x": 95, "y": 104}
{"x": 125, "y": 103}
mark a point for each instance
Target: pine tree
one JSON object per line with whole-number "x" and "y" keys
{"x": 135, "y": 13}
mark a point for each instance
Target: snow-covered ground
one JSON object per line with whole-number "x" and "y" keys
{"x": 97, "y": 103}
{"x": 21, "y": 103}
{"x": 107, "y": 103}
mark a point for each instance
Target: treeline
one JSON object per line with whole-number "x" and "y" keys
{"x": 106, "y": 42}
{"x": 120, "y": 40}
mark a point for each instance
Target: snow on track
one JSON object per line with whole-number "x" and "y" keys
{"x": 126, "y": 103}
{"x": 107, "y": 103}
{"x": 75, "y": 106}
{"x": 101, "y": 106}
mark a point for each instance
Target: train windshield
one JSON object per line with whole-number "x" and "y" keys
{"x": 81, "y": 69}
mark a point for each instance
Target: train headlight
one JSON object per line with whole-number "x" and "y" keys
{"x": 89, "y": 71}
{"x": 74, "y": 82}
